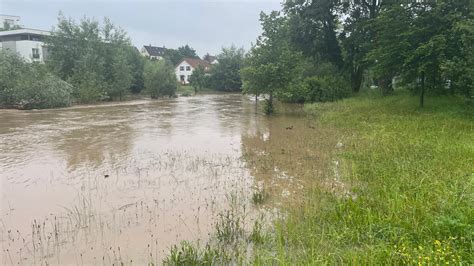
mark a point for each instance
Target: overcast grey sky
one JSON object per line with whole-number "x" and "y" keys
{"x": 203, "y": 24}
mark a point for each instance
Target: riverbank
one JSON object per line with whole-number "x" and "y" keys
{"x": 392, "y": 184}
{"x": 410, "y": 176}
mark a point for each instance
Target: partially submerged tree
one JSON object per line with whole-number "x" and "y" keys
{"x": 160, "y": 79}
{"x": 270, "y": 64}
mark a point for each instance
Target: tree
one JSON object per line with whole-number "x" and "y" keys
{"x": 176, "y": 56}
{"x": 160, "y": 79}
{"x": 226, "y": 74}
{"x": 313, "y": 28}
{"x": 137, "y": 63}
{"x": 271, "y": 63}
{"x": 93, "y": 58}
{"x": 121, "y": 76}
{"x": 173, "y": 56}
{"x": 198, "y": 79}
{"x": 187, "y": 52}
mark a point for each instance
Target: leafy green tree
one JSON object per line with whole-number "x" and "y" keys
{"x": 226, "y": 74}
{"x": 137, "y": 63}
{"x": 176, "y": 56}
{"x": 271, "y": 63}
{"x": 419, "y": 42}
{"x": 173, "y": 56}
{"x": 160, "y": 79}
{"x": 93, "y": 58}
{"x": 121, "y": 76}
{"x": 187, "y": 52}
{"x": 312, "y": 29}
{"x": 357, "y": 37}
{"x": 198, "y": 79}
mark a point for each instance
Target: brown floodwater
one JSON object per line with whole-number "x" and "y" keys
{"x": 112, "y": 183}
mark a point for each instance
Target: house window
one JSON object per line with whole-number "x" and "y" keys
{"x": 188, "y": 68}
{"x": 35, "y": 53}
{"x": 181, "y": 68}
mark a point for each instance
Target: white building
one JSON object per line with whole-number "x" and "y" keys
{"x": 153, "y": 52}
{"x": 211, "y": 59}
{"x": 185, "y": 69}
{"x": 28, "y": 43}
{"x": 9, "y": 22}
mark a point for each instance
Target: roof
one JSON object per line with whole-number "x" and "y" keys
{"x": 154, "y": 50}
{"x": 24, "y": 31}
{"x": 196, "y": 62}
{"x": 5, "y": 16}
{"x": 210, "y": 58}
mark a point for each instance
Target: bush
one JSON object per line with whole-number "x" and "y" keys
{"x": 160, "y": 79}
{"x": 28, "y": 86}
{"x": 325, "y": 89}
{"x": 46, "y": 92}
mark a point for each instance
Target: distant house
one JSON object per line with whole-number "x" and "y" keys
{"x": 185, "y": 69}
{"x": 211, "y": 59}
{"x": 28, "y": 43}
{"x": 153, "y": 52}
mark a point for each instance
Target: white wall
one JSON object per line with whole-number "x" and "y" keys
{"x": 186, "y": 73}
{"x": 24, "y": 48}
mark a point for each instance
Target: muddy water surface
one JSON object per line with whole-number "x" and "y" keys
{"x": 123, "y": 182}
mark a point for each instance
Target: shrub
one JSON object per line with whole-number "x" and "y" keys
{"x": 47, "y": 92}
{"x": 28, "y": 86}
{"x": 325, "y": 89}
{"x": 160, "y": 79}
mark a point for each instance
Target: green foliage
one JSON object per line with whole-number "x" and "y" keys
{"x": 6, "y": 26}
{"x": 176, "y": 56}
{"x": 271, "y": 64}
{"x": 259, "y": 196}
{"x": 225, "y": 75}
{"x": 97, "y": 59}
{"x": 160, "y": 79}
{"x": 188, "y": 254}
{"x": 136, "y": 64}
{"x": 198, "y": 79}
{"x": 325, "y": 89}
{"x": 28, "y": 86}
{"x": 229, "y": 228}
{"x": 121, "y": 76}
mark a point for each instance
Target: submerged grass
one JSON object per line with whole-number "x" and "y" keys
{"x": 411, "y": 179}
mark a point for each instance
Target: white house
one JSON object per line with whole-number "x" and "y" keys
{"x": 211, "y": 59}
{"x": 28, "y": 43}
{"x": 153, "y": 52}
{"x": 185, "y": 69}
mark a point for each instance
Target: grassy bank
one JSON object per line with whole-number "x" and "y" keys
{"x": 385, "y": 183}
{"x": 411, "y": 181}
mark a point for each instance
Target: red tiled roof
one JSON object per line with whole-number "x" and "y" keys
{"x": 195, "y": 62}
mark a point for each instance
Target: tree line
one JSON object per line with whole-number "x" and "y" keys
{"x": 324, "y": 50}
{"x": 90, "y": 61}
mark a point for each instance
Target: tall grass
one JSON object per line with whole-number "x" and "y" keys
{"x": 411, "y": 179}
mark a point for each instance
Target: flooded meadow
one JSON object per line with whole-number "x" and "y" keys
{"x": 122, "y": 183}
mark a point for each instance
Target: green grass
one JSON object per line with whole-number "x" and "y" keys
{"x": 411, "y": 177}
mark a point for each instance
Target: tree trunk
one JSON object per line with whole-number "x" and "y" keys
{"x": 422, "y": 91}
{"x": 356, "y": 79}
